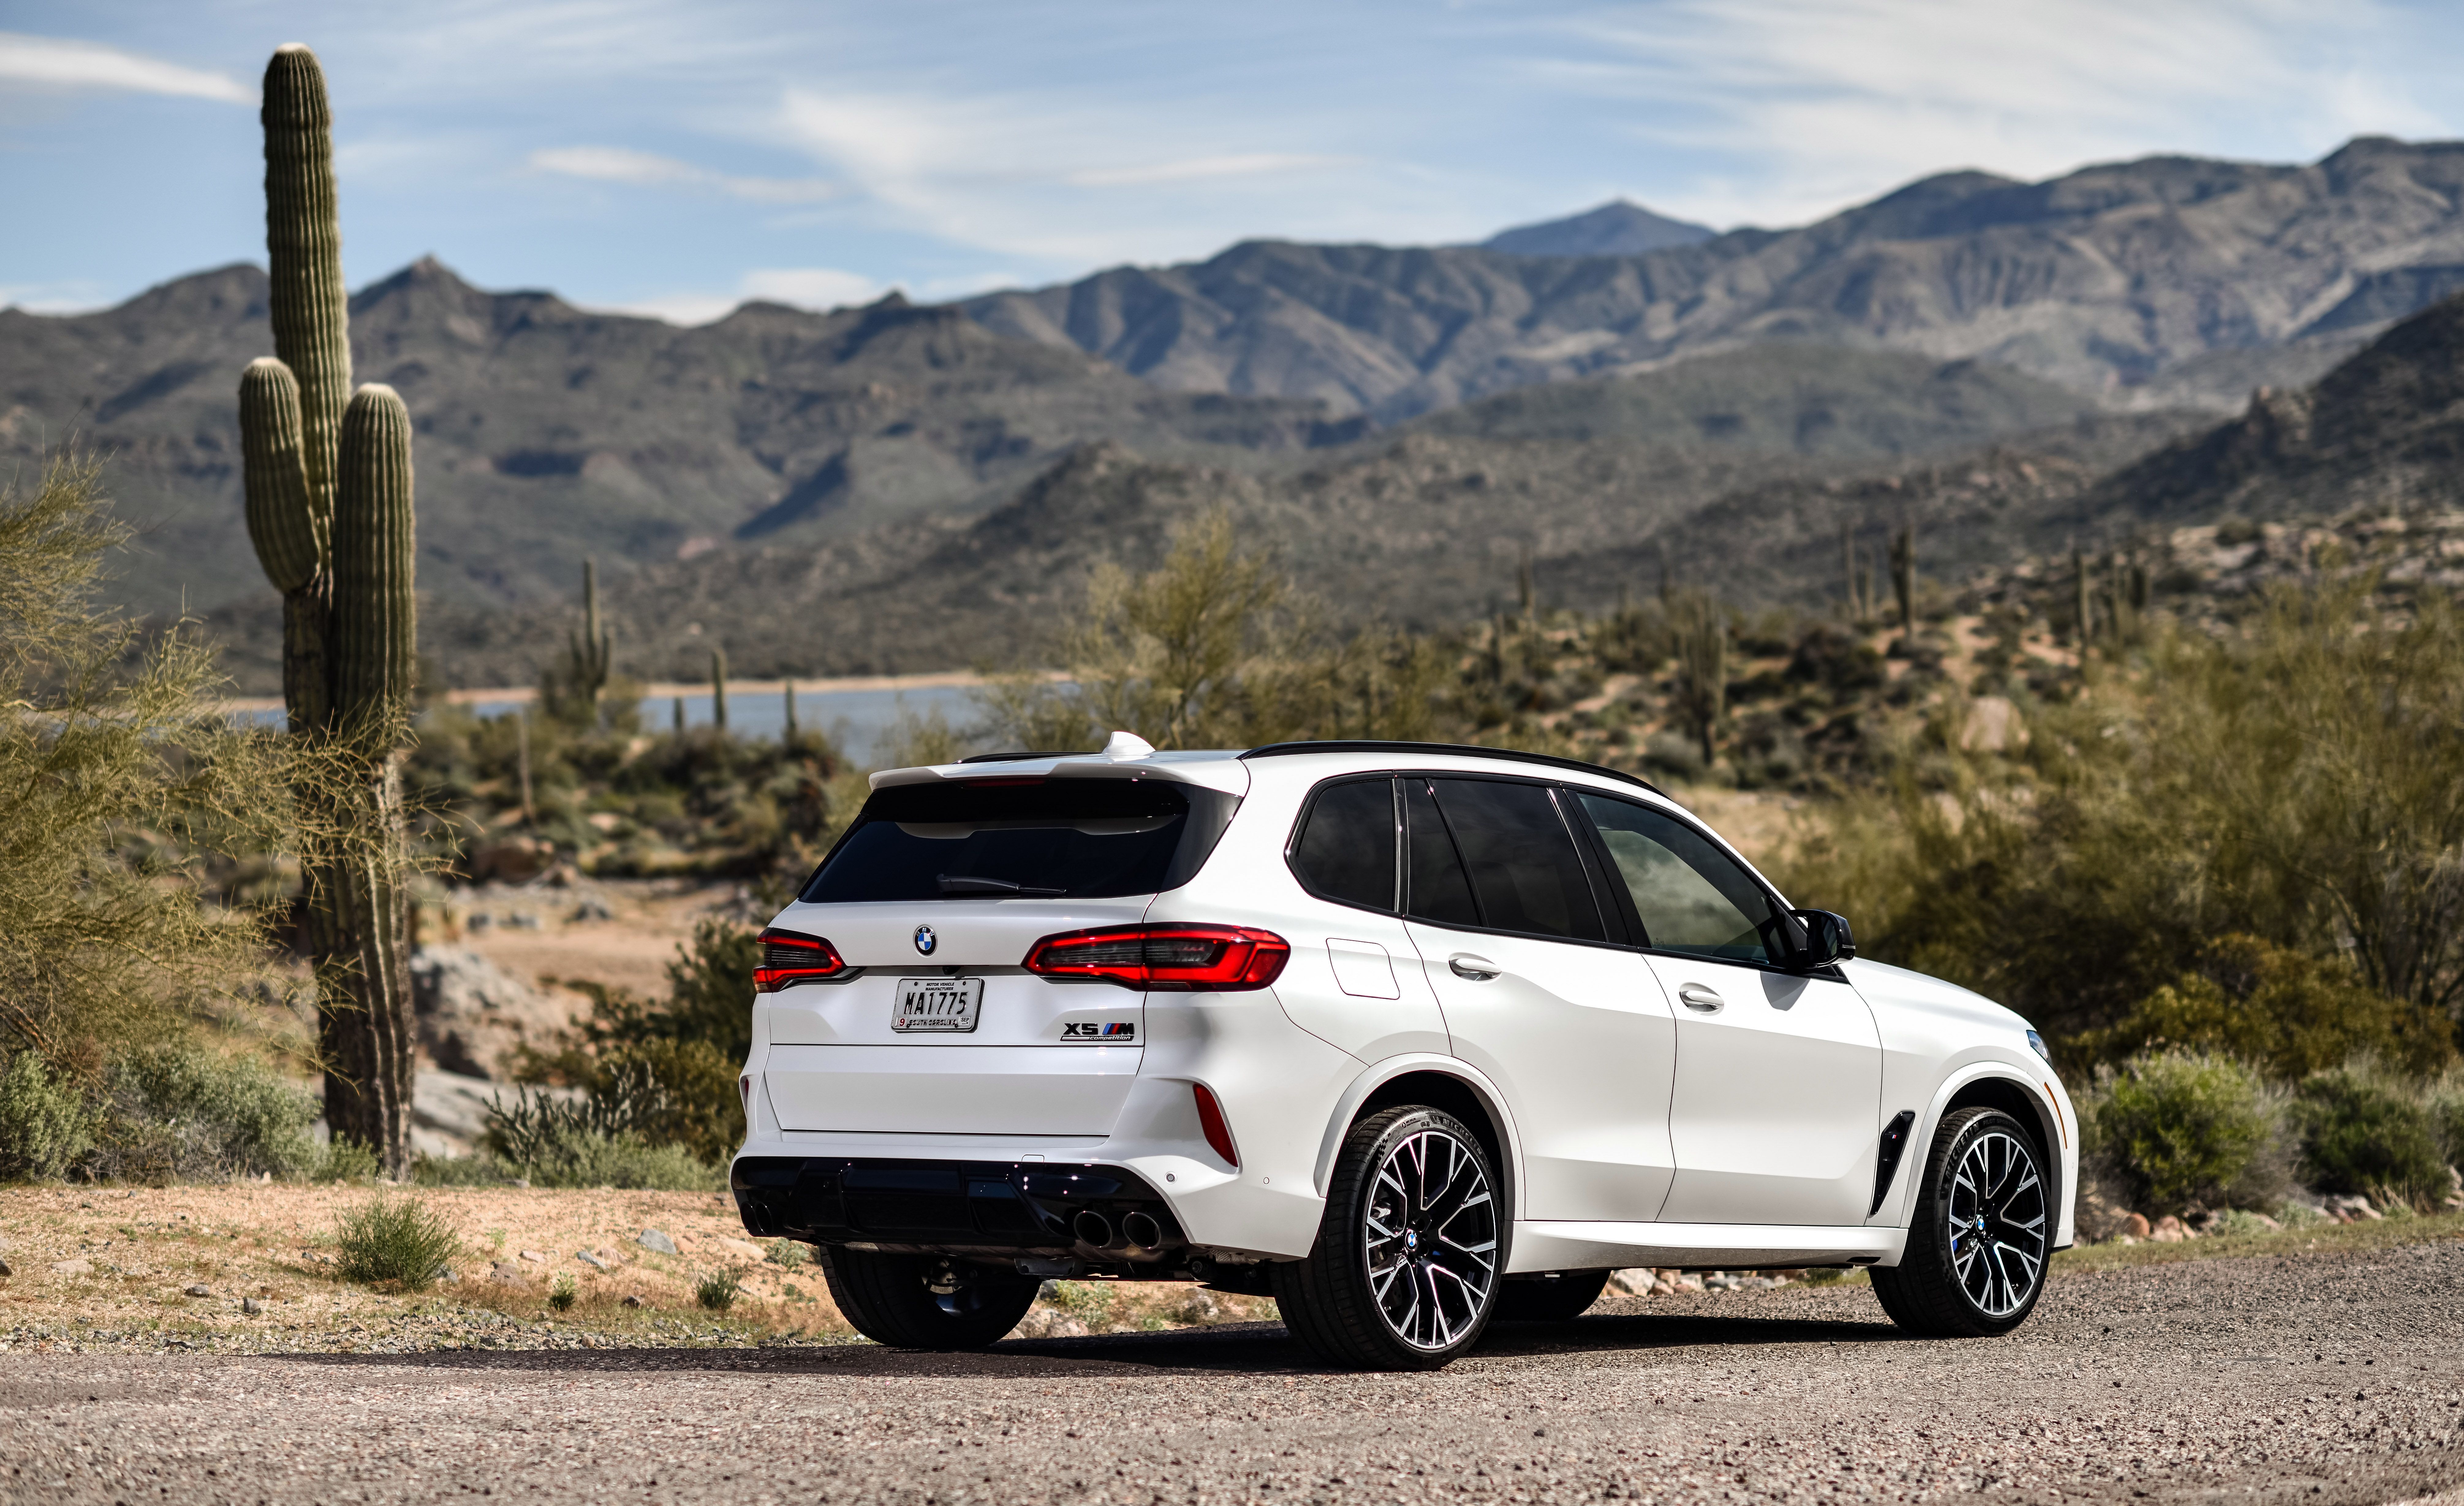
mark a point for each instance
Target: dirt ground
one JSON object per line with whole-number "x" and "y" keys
{"x": 2326, "y": 1371}
{"x": 113, "y": 1268}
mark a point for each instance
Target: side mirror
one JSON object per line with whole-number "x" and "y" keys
{"x": 1827, "y": 939}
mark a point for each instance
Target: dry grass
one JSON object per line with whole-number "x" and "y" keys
{"x": 2360, "y": 1238}
{"x": 275, "y": 1244}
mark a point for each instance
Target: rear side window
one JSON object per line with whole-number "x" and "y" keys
{"x": 1345, "y": 850}
{"x": 1052, "y": 838}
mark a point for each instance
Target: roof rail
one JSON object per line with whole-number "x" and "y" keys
{"x": 1012, "y": 757}
{"x": 1450, "y": 751}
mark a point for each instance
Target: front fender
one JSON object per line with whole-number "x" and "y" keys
{"x": 2055, "y": 1122}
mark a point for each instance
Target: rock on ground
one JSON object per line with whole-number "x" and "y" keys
{"x": 471, "y": 1013}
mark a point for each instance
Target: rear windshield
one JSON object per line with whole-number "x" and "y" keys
{"x": 1047, "y": 839}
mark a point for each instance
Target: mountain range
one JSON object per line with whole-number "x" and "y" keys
{"x": 836, "y": 491}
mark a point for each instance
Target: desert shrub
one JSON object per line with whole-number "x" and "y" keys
{"x": 395, "y": 1240}
{"x": 2175, "y": 1128}
{"x": 718, "y": 1291}
{"x": 787, "y": 1253}
{"x": 2365, "y": 1131}
{"x": 2292, "y": 1013}
{"x": 45, "y": 1126}
{"x": 2447, "y": 1111}
{"x": 562, "y": 1295}
{"x": 556, "y": 1142}
{"x": 347, "y": 1160}
{"x": 180, "y": 1110}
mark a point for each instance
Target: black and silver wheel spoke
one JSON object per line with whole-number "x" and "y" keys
{"x": 1430, "y": 1236}
{"x": 1995, "y": 1216}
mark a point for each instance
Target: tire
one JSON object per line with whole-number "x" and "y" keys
{"x": 1555, "y": 1298}
{"x": 1404, "y": 1273}
{"x": 913, "y": 1302}
{"x": 1981, "y": 1235}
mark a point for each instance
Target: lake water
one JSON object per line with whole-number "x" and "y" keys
{"x": 857, "y": 720}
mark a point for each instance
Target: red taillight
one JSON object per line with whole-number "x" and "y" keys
{"x": 1218, "y": 959}
{"x": 1210, "y": 1119}
{"x": 791, "y": 956}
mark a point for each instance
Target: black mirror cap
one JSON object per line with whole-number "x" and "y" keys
{"x": 1827, "y": 939}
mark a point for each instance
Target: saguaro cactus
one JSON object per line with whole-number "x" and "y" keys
{"x": 328, "y": 482}
{"x": 719, "y": 690}
{"x": 1904, "y": 576}
{"x": 590, "y": 652}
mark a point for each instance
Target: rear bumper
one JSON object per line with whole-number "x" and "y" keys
{"x": 1090, "y": 1212}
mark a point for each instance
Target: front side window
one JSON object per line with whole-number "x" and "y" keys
{"x": 1345, "y": 850}
{"x": 1034, "y": 839}
{"x": 1526, "y": 874}
{"x": 1690, "y": 895}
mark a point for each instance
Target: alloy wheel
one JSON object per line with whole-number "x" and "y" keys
{"x": 1430, "y": 1234}
{"x": 1997, "y": 1215}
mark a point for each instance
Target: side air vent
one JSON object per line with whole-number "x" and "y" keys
{"x": 1895, "y": 1140}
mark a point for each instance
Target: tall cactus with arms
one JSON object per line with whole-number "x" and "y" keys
{"x": 329, "y": 510}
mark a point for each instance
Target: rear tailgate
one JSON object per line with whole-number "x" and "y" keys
{"x": 1044, "y": 1058}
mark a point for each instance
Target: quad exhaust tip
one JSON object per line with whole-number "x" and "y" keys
{"x": 1142, "y": 1231}
{"x": 1093, "y": 1228}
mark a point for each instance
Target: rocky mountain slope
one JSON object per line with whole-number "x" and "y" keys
{"x": 1424, "y": 528}
{"x": 547, "y": 434}
{"x": 1616, "y": 229}
{"x": 2106, "y": 277}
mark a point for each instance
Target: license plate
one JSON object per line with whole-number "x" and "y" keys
{"x": 938, "y": 1005}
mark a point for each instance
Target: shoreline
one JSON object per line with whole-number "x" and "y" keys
{"x": 524, "y": 694}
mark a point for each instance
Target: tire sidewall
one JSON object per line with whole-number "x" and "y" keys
{"x": 1372, "y": 1144}
{"x": 1950, "y": 1149}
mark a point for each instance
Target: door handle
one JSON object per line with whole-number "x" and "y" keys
{"x": 1478, "y": 969}
{"x": 1700, "y": 998}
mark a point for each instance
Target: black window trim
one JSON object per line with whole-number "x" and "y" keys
{"x": 1634, "y": 918}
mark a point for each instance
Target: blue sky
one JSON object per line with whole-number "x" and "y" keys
{"x": 676, "y": 157}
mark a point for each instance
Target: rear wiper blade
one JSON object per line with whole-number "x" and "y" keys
{"x": 953, "y": 885}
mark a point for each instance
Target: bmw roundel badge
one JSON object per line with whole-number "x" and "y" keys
{"x": 925, "y": 941}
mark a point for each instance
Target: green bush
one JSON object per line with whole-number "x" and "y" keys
{"x": 2447, "y": 1112}
{"x": 2176, "y": 1128}
{"x": 482, "y": 1171}
{"x": 558, "y": 1143}
{"x": 2292, "y": 1013}
{"x": 718, "y": 1291}
{"x": 2366, "y": 1132}
{"x": 347, "y": 1160}
{"x": 396, "y": 1239}
{"x": 178, "y": 1110}
{"x": 44, "y": 1123}
{"x": 561, "y": 1295}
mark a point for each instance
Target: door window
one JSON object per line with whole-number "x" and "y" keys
{"x": 1526, "y": 872}
{"x": 1691, "y": 897}
{"x": 1346, "y": 848}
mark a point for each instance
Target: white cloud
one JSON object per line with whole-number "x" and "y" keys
{"x": 1030, "y": 176}
{"x": 622, "y": 165}
{"x": 819, "y": 289}
{"x": 1247, "y": 165}
{"x": 62, "y": 63}
{"x": 1824, "y": 103}
{"x": 53, "y": 297}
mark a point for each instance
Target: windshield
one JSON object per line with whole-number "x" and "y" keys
{"x": 1033, "y": 839}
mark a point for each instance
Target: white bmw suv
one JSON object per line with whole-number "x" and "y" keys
{"x": 1412, "y": 1037}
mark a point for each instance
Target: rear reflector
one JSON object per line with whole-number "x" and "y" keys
{"x": 1211, "y": 959}
{"x": 791, "y": 956}
{"x": 1210, "y": 1119}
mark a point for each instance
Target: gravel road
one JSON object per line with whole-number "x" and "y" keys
{"x": 2307, "y": 1378}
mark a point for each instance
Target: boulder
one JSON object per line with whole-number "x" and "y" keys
{"x": 515, "y": 861}
{"x": 2137, "y": 1226}
{"x": 471, "y": 1013}
{"x": 2169, "y": 1231}
{"x": 653, "y": 1240}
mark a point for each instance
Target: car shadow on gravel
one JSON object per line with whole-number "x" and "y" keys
{"x": 1246, "y": 1347}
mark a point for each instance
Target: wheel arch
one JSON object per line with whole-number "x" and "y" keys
{"x": 1989, "y": 1085}
{"x": 1439, "y": 1083}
